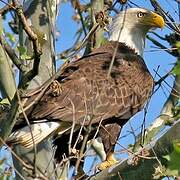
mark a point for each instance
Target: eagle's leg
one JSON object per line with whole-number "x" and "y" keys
{"x": 109, "y": 135}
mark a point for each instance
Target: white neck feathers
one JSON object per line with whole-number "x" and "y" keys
{"x": 133, "y": 37}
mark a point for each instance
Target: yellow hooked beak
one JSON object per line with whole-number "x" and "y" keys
{"x": 154, "y": 20}
{"x": 157, "y": 20}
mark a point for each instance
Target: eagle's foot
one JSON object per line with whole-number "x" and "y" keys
{"x": 109, "y": 162}
{"x": 56, "y": 88}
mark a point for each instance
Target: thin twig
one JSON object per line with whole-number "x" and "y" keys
{"x": 82, "y": 126}
{"x": 27, "y": 166}
{"x": 5, "y": 9}
{"x": 161, "y": 49}
{"x": 36, "y": 47}
{"x": 166, "y": 16}
{"x": 29, "y": 125}
{"x": 128, "y": 150}
{"x": 156, "y": 156}
{"x": 41, "y": 90}
{"x": 73, "y": 126}
{"x": 177, "y": 93}
{"x": 143, "y": 130}
{"x": 7, "y": 4}
{"x": 162, "y": 79}
{"x": 159, "y": 45}
{"x": 18, "y": 173}
{"x": 81, "y": 152}
{"x": 83, "y": 43}
{"x": 11, "y": 53}
{"x": 160, "y": 37}
{"x": 81, "y": 18}
{"x": 115, "y": 50}
{"x": 132, "y": 131}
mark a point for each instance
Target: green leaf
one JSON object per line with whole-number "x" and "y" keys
{"x": 11, "y": 37}
{"x": 4, "y": 101}
{"x": 176, "y": 145}
{"x": 2, "y": 161}
{"x": 173, "y": 165}
{"x": 21, "y": 49}
{"x": 178, "y": 44}
{"x": 176, "y": 69}
{"x": 26, "y": 57}
{"x": 23, "y": 53}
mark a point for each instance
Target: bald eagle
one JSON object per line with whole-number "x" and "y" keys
{"x": 85, "y": 95}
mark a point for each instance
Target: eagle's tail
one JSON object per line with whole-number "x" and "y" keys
{"x": 30, "y": 136}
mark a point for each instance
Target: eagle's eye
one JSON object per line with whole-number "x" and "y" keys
{"x": 140, "y": 14}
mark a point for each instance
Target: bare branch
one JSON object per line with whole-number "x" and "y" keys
{"x": 33, "y": 37}
{"x": 168, "y": 18}
{"x": 5, "y": 9}
{"x": 146, "y": 167}
{"x": 12, "y": 55}
{"x": 28, "y": 123}
{"x": 17, "y": 157}
{"x": 160, "y": 45}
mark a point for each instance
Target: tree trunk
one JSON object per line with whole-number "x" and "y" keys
{"x": 7, "y": 82}
{"x": 42, "y": 15}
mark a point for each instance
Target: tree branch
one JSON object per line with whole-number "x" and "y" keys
{"x": 146, "y": 167}
{"x": 34, "y": 38}
{"x": 5, "y": 9}
{"x": 160, "y": 45}
{"x": 12, "y": 55}
{"x": 166, "y": 16}
{"x": 6, "y": 74}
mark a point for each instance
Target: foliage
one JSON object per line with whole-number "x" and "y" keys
{"x": 173, "y": 160}
{"x": 176, "y": 69}
{"x": 23, "y": 53}
{"x": 172, "y": 164}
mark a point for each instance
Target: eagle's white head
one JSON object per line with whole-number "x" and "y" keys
{"x": 130, "y": 27}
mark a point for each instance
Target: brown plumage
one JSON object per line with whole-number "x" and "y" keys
{"x": 87, "y": 95}
{"x": 85, "y": 85}
{"x": 84, "y": 93}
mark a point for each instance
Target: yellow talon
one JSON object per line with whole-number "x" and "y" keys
{"x": 109, "y": 162}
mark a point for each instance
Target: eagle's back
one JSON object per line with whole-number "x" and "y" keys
{"x": 87, "y": 94}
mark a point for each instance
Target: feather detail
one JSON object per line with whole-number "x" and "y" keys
{"x": 39, "y": 131}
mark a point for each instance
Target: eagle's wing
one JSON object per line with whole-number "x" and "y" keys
{"x": 88, "y": 94}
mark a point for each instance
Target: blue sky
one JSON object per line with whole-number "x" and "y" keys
{"x": 68, "y": 28}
